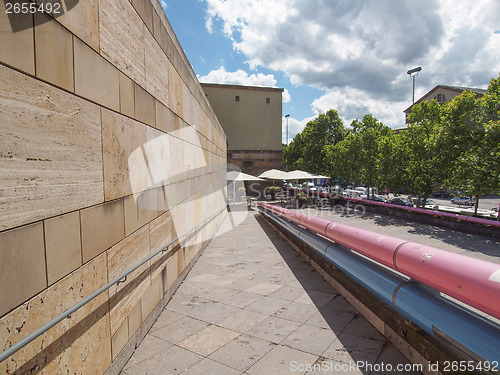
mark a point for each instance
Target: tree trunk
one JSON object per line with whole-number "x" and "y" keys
{"x": 476, "y": 206}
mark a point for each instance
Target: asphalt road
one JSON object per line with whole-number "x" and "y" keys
{"x": 487, "y": 203}
{"x": 473, "y": 245}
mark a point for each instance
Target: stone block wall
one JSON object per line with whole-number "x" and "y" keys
{"x": 109, "y": 151}
{"x": 255, "y": 162}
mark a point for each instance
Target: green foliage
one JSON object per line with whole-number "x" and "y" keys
{"x": 362, "y": 157}
{"x": 422, "y": 164}
{"x": 302, "y": 196}
{"x": 273, "y": 189}
{"x": 306, "y": 151}
{"x": 454, "y": 145}
{"x": 469, "y": 141}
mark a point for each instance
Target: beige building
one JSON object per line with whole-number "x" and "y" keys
{"x": 251, "y": 119}
{"x": 443, "y": 94}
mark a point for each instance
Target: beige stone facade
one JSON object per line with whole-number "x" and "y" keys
{"x": 109, "y": 151}
{"x": 251, "y": 118}
{"x": 443, "y": 94}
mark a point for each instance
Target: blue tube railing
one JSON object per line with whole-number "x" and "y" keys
{"x": 468, "y": 333}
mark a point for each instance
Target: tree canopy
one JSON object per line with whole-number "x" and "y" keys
{"x": 454, "y": 145}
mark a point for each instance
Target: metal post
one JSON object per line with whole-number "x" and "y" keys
{"x": 413, "y": 97}
{"x": 287, "y": 131}
{"x": 412, "y": 73}
{"x": 287, "y": 116}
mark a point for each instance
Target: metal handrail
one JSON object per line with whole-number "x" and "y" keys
{"x": 119, "y": 279}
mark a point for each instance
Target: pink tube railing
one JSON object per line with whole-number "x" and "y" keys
{"x": 470, "y": 280}
{"x": 458, "y": 217}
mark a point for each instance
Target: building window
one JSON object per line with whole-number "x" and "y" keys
{"x": 440, "y": 98}
{"x": 236, "y": 98}
{"x": 268, "y": 100}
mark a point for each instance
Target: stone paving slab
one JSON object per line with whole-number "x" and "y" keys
{"x": 252, "y": 305}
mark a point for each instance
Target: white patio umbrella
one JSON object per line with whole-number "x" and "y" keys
{"x": 299, "y": 175}
{"x": 240, "y": 176}
{"x": 234, "y": 176}
{"x": 302, "y": 175}
{"x": 273, "y": 174}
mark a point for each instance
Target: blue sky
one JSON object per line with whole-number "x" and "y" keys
{"x": 348, "y": 55}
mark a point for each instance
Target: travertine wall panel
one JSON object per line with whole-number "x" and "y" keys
{"x": 173, "y": 271}
{"x": 119, "y": 339}
{"x": 95, "y": 78}
{"x": 54, "y": 52}
{"x": 188, "y": 106}
{"x": 175, "y": 90}
{"x": 127, "y": 101}
{"x": 161, "y": 232}
{"x": 126, "y": 295}
{"x": 122, "y": 38}
{"x": 83, "y": 21}
{"x": 51, "y": 155}
{"x": 102, "y": 226}
{"x": 157, "y": 152}
{"x": 86, "y": 332}
{"x": 164, "y": 118}
{"x": 122, "y": 136}
{"x": 116, "y": 153}
{"x": 62, "y": 245}
{"x": 145, "y": 11}
{"x": 152, "y": 296}
{"x": 17, "y": 48}
{"x": 24, "y": 248}
{"x": 134, "y": 319}
{"x": 156, "y": 69}
{"x": 144, "y": 106}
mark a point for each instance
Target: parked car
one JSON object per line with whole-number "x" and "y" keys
{"x": 401, "y": 202}
{"x": 379, "y": 198}
{"x": 429, "y": 203}
{"x": 463, "y": 200}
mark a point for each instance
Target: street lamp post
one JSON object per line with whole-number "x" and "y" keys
{"x": 286, "y": 116}
{"x": 413, "y": 73}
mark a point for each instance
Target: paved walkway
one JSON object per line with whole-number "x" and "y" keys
{"x": 251, "y": 305}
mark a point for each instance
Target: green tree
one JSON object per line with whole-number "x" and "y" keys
{"x": 306, "y": 151}
{"x": 364, "y": 156}
{"x": 368, "y": 135}
{"x": 292, "y": 154}
{"x": 469, "y": 140}
{"x": 340, "y": 160}
{"x": 390, "y": 162}
{"x": 421, "y": 164}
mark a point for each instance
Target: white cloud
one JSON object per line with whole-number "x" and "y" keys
{"x": 286, "y": 96}
{"x": 358, "y": 51}
{"x": 163, "y": 4}
{"x": 240, "y": 77}
{"x": 354, "y": 104}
